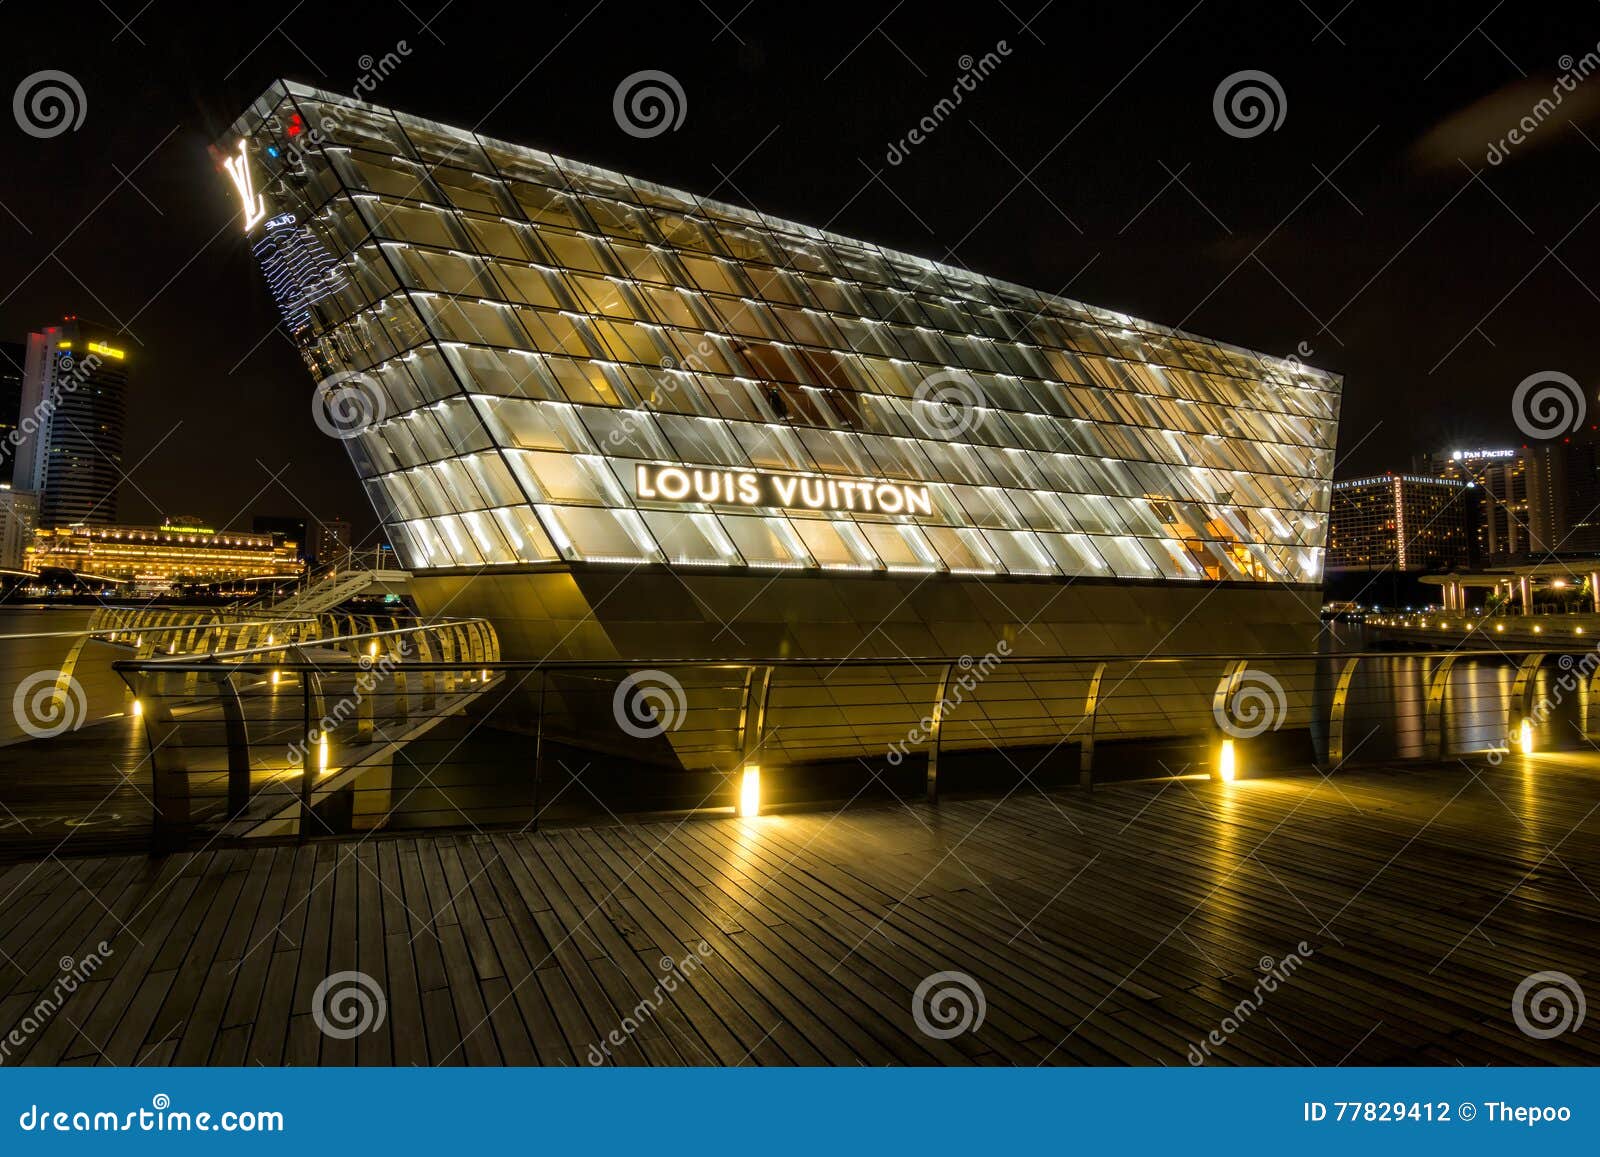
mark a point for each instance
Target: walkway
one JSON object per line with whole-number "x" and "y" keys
{"x": 1121, "y": 927}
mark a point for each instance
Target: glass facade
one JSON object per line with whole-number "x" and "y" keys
{"x": 539, "y": 328}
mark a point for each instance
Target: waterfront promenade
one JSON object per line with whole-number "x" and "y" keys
{"x": 1123, "y": 926}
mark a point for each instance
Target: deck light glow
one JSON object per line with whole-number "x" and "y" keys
{"x": 1227, "y": 762}
{"x": 750, "y": 792}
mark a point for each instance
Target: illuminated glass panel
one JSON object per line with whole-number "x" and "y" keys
{"x": 539, "y": 326}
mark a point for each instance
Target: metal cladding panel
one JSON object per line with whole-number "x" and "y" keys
{"x": 537, "y": 363}
{"x": 834, "y": 709}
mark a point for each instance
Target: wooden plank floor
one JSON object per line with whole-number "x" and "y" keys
{"x": 1121, "y": 927}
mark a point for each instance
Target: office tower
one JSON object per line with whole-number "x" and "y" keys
{"x": 74, "y": 408}
{"x": 332, "y": 538}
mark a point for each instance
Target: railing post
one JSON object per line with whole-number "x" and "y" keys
{"x": 425, "y": 653}
{"x": 238, "y": 739}
{"x": 1334, "y": 756}
{"x": 1091, "y": 716}
{"x": 1591, "y": 702}
{"x": 538, "y": 752}
{"x": 936, "y": 746}
{"x": 309, "y": 752}
{"x": 1520, "y": 704}
{"x": 1221, "y": 709}
{"x": 169, "y": 775}
{"x": 1434, "y": 737}
{"x": 752, "y": 711}
{"x": 366, "y": 690}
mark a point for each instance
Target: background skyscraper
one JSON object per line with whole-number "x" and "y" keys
{"x": 13, "y": 355}
{"x": 75, "y": 387}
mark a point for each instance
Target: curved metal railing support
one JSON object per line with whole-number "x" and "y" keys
{"x": 1336, "y": 711}
{"x": 1433, "y": 725}
{"x": 936, "y": 736}
{"x": 1519, "y": 705}
{"x": 1221, "y": 709}
{"x": 169, "y": 774}
{"x": 1091, "y": 716}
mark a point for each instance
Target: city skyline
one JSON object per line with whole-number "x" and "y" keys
{"x": 1261, "y": 240}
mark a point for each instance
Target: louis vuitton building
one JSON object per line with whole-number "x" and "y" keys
{"x": 623, "y": 421}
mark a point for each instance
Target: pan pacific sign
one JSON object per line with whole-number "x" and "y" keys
{"x": 655, "y": 483}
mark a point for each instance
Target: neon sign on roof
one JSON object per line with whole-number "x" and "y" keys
{"x": 255, "y": 205}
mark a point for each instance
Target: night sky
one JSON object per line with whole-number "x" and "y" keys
{"x": 1368, "y": 232}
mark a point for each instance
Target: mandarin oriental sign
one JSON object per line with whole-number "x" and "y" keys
{"x": 791, "y": 491}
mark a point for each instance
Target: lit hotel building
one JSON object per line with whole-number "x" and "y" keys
{"x": 168, "y": 555}
{"x": 1506, "y": 509}
{"x": 612, "y": 416}
{"x": 1404, "y": 522}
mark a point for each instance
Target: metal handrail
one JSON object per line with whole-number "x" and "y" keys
{"x": 417, "y": 690}
{"x": 181, "y": 628}
{"x": 179, "y": 662}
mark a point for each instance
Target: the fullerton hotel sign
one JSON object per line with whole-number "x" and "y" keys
{"x": 654, "y": 483}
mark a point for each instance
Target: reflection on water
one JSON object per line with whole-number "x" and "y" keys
{"x": 1387, "y": 713}
{"x": 89, "y": 785}
{"x": 105, "y": 694}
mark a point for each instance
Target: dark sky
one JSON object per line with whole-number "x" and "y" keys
{"x": 1367, "y": 228}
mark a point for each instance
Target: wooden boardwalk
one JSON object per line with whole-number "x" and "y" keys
{"x": 1121, "y": 927}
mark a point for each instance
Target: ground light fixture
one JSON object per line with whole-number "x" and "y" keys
{"x": 1525, "y": 737}
{"x": 1227, "y": 762}
{"x": 750, "y": 791}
